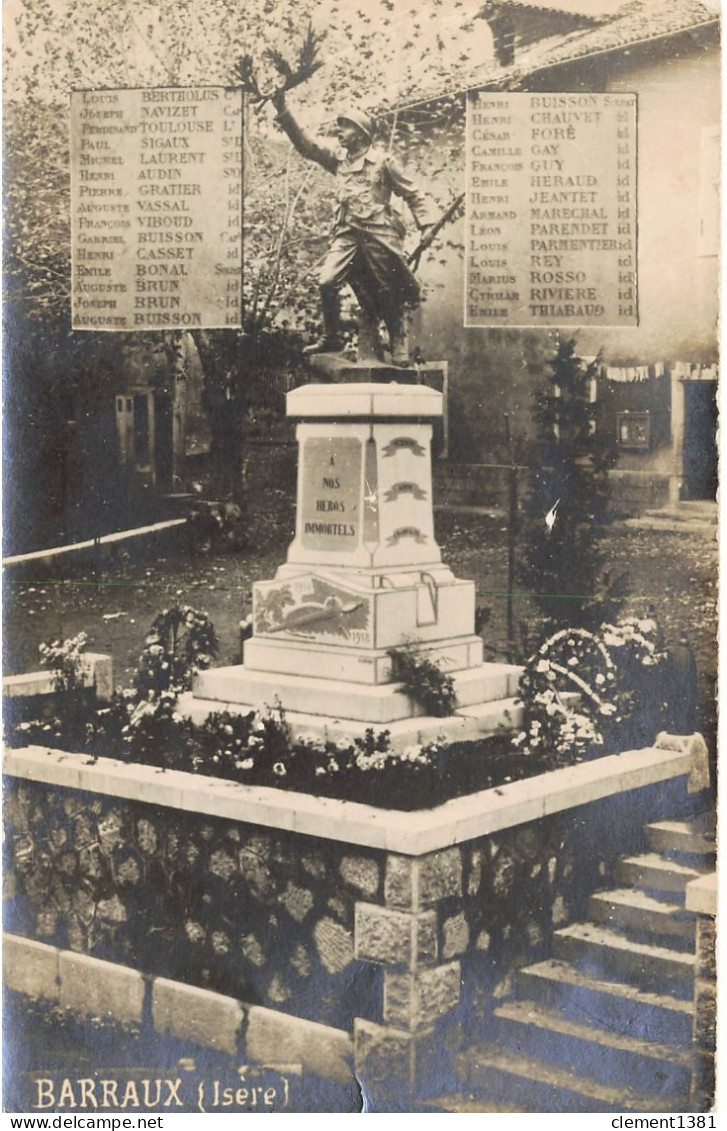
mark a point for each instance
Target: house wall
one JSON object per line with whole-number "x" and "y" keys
{"x": 652, "y": 396}
{"x": 492, "y": 371}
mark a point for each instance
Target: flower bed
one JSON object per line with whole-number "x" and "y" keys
{"x": 255, "y": 750}
{"x": 618, "y": 675}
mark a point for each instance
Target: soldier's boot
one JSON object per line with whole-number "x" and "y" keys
{"x": 398, "y": 327}
{"x": 369, "y": 342}
{"x": 330, "y": 340}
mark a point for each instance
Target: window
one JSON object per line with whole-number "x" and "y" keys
{"x": 633, "y": 430}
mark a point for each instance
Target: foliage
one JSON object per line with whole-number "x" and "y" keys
{"x": 215, "y": 526}
{"x": 381, "y": 58}
{"x": 560, "y": 559}
{"x": 424, "y": 681}
{"x": 307, "y": 65}
{"x": 65, "y": 658}
{"x": 51, "y": 51}
{"x": 483, "y": 616}
{"x": 593, "y": 693}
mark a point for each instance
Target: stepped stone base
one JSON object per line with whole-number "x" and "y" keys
{"x": 466, "y": 725}
{"x": 368, "y": 666}
{"x": 363, "y": 702}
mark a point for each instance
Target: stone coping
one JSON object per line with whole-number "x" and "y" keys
{"x": 701, "y": 895}
{"x": 96, "y": 671}
{"x": 364, "y": 399}
{"x": 89, "y": 985}
{"x": 90, "y": 543}
{"x": 454, "y": 822}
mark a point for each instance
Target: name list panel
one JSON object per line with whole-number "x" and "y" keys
{"x": 156, "y": 208}
{"x": 551, "y": 210}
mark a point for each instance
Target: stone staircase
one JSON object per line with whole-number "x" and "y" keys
{"x": 687, "y": 517}
{"x": 605, "y": 1024}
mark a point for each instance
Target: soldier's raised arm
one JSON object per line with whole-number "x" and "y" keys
{"x": 324, "y": 153}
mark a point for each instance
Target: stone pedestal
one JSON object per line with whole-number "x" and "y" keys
{"x": 364, "y": 573}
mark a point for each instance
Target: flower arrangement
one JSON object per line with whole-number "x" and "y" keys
{"x": 65, "y": 658}
{"x": 582, "y": 690}
{"x": 143, "y": 719}
{"x": 424, "y": 681}
{"x": 181, "y": 640}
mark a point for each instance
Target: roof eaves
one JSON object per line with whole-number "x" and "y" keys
{"x": 622, "y": 45}
{"x": 580, "y": 17}
{"x": 510, "y": 78}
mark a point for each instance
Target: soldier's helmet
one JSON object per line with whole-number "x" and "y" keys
{"x": 359, "y": 119}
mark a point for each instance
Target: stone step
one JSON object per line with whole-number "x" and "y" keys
{"x": 639, "y": 914}
{"x": 611, "y": 956}
{"x": 619, "y": 1006}
{"x": 511, "y": 1077}
{"x": 688, "y": 510}
{"x": 463, "y": 1103}
{"x": 363, "y": 665}
{"x": 598, "y": 1053}
{"x": 657, "y": 874}
{"x": 494, "y": 717}
{"x": 344, "y": 699}
{"x": 461, "y": 727}
{"x": 694, "y": 837}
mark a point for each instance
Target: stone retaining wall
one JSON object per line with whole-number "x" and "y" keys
{"x": 92, "y": 987}
{"x": 405, "y": 950}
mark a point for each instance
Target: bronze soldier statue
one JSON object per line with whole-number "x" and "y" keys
{"x": 366, "y": 244}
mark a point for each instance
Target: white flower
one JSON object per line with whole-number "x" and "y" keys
{"x": 245, "y": 764}
{"x": 279, "y": 769}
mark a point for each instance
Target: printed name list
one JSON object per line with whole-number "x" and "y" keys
{"x": 156, "y": 208}
{"x": 551, "y": 210}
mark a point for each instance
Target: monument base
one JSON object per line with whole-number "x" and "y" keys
{"x": 374, "y": 704}
{"x": 363, "y": 578}
{"x": 360, "y": 665}
{"x": 342, "y": 712}
{"x": 337, "y": 367}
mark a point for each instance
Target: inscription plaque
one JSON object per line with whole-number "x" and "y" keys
{"x": 156, "y": 208}
{"x": 551, "y": 210}
{"x": 330, "y": 511}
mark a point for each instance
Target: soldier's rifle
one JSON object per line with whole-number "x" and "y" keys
{"x": 426, "y": 242}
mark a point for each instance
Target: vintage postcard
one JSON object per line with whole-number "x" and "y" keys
{"x": 360, "y": 558}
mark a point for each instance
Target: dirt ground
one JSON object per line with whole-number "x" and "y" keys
{"x": 673, "y": 573}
